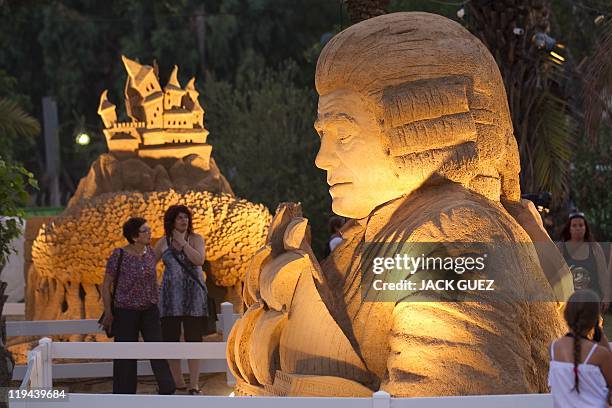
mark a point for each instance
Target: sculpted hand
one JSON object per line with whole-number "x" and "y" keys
{"x": 275, "y": 269}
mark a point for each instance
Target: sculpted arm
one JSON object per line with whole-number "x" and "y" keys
{"x": 447, "y": 348}
{"x": 479, "y": 342}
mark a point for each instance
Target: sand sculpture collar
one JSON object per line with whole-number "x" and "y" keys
{"x": 409, "y": 99}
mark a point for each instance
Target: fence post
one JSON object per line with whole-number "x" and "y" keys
{"x": 381, "y": 399}
{"x": 38, "y": 365}
{"x": 227, "y": 320}
{"x": 47, "y": 362}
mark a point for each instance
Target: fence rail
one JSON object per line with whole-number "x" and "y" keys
{"x": 40, "y": 373}
{"x": 211, "y": 354}
{"x": 14, "y": 309}
{"x": 216, "y": 364}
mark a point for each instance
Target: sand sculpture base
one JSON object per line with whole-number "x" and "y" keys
{"x": 69, "y": 255}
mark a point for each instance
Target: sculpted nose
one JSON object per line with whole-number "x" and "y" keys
{"x": 326, "y": 158}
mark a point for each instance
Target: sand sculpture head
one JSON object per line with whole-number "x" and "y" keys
{"x": 408, "y": 99}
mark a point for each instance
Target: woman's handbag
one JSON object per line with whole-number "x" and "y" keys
{"x": 109, "y": 331}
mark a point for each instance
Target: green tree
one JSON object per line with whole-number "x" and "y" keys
{"x": 14, "y": 180}
{"x": 263, "y": 136}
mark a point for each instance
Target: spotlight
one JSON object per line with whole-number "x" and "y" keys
{"x": 518, "y": 31}
{"x": 557, "y": 56}
{"x": 461, "y": 12}
{"x": 83, "y": 139}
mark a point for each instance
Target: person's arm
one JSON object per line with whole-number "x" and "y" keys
{"x": 159, "y": 248}
{"x": 109, "y": 278}
{"x": 606, "y": 366}
{"x": 602, "y": 273}
{"x": 194, "y": 249}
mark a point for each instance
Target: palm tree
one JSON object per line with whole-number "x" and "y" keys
{"x": 15, "y": 121}
{"x": 598, "y": 84}
{"x": 516, "y": 33}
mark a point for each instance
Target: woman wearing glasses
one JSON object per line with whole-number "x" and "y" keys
{"x": 131, "y": 309}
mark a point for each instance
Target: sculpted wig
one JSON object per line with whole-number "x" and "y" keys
{"x": 437, "y": 94}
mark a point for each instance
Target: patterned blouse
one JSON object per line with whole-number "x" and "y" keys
{"x": 137, "y": 286}
{"x": 181, "y": 295}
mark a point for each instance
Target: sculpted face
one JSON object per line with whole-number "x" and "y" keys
{"x": 360, "y": 173}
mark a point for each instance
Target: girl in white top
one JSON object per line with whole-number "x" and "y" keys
{"x": 580, "y": 371}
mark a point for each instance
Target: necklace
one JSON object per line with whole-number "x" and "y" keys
{"x": 136, "y": 252}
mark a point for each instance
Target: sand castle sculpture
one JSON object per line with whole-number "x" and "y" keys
{"x": 417, "y": 143}
{"x": 157, "y": 159}
{"x": 166, "y": 122}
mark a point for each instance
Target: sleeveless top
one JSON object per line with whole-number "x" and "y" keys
{"x": 593, "y": 387}
{"x": 180, "y": 295}
{"x": 584, "y": 271}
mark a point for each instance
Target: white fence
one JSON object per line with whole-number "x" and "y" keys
{"x": 41, "y": 372}
{"x": 14, "y": 309}
{"x": 211, "y": 355}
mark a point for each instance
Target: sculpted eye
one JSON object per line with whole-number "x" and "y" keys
{"x": 346, "y": 139}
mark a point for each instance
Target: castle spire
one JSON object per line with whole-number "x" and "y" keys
{"x": 132, "y": 67}
{"x": 191, "y": 89}
{"x": 173, "y": 81}
{"x": 106, "y": 110}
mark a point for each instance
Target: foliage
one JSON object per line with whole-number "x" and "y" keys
{"x": 14, "y": 180}
{"x": 591, "y": 180}
{"x": 262, "y": 133}
{"x": 598, "y": 83}
{"x": 17, "y": 128}
{"x": 71, "y": 49}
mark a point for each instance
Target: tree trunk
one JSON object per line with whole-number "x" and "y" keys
{"x": 359, "y": 10}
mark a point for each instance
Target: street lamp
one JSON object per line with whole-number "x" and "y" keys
{"x": 82, "y": 139}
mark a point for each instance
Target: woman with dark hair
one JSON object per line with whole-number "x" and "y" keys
{"x": 580, "y": 372}
{"x": 183, "y": 303}
{"x": 585, "y": 257}
{"x": 131, "y": 308}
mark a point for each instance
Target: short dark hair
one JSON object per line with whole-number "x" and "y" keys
{"x": 335, "y": 223}
{"x": 170, "y": 216}
{"x": 131, "y": 228}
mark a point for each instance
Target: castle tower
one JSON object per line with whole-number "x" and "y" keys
{"x": 192, "y": 103}
{"x": 173, "y": 93}
{"x": 143, "y": 80}
{"x": 106, "y": 110}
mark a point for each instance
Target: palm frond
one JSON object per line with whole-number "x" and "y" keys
{"x": 598, "y": 83}
{"x": 14, "y": 120}
{"x": 555, "y": 132}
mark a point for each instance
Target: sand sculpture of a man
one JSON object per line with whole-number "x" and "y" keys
{"x": 417, "y": 143}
